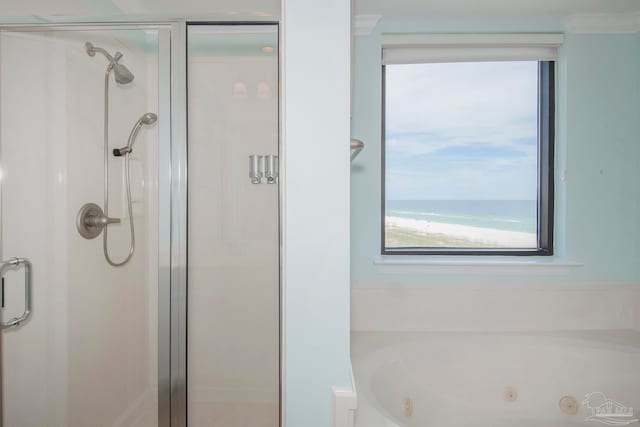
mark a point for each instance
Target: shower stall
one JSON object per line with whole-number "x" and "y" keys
{"x": 139, "y": 259}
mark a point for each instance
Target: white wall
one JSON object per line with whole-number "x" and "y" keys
{"x": 315, "y": 156}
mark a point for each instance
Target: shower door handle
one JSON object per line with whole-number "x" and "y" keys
{"x": 26, "y": 264}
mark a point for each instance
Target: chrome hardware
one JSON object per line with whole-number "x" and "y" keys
{"x": 356, "y": 146}
{"x": 255, "y": 169}
{"x": 91, "y": 220}
{"x": 16, "y": 263}
{"x": 263, "y": 169}
{"x": 119, "y": 152}
{"x": 271, "y": 169}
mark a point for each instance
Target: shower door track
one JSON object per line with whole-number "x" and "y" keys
{"x": 172, "y": 210}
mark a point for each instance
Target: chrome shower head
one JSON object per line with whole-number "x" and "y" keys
{"x": 146, "y": 119}
{"x": 121, "y": 73}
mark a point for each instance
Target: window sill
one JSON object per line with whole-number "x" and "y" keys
{"x": 463, "y": 265}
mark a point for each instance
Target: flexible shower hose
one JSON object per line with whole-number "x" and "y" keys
{"x": 106, "y": 183}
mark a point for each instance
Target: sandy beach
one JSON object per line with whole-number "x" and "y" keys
{"x": 406, "y": 232}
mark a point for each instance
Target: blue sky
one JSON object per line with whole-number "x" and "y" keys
{"x": 461, "y": 131}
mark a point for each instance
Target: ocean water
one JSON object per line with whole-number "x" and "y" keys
{"x": 507, "y": 215}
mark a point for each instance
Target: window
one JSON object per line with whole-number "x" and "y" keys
{"x": 468, "y": 150}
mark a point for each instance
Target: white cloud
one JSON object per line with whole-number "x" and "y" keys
{"x": 488, "y": 106}
{"x": 463, "y": 102}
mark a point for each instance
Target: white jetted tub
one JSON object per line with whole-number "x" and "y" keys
{"x": 497, "y": 379}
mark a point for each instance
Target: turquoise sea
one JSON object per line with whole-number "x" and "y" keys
{"x": 508, "y": 215}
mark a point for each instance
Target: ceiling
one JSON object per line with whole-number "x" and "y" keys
{"x": 43, "y": 7}
{"x": 493, "y": 9}
{"x": 265, "y": 9}
{"x": 259, "y": 8}
{"x": 223, "y": 9}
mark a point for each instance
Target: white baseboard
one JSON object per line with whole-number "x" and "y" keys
{"x": 344, "y": 403}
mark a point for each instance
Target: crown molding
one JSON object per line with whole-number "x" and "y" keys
{"x": 603, "y": 23}
{"x": 364, "y": 24}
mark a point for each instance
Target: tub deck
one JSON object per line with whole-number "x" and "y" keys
{"x": 496, "y": 379}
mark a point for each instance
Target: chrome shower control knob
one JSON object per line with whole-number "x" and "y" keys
{"x": 100, "y": 220}
{"x": 91, "y": 220}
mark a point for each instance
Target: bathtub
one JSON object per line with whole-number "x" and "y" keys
{"x": 496, "y": 379}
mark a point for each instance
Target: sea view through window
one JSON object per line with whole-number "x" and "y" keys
{"x": 462, "y": 155}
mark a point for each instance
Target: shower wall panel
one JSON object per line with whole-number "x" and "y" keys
{"x": 233, "y": 261}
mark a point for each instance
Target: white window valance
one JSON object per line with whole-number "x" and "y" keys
{"x": 426, "y": 48}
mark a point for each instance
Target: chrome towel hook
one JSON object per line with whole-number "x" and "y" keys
{"x": 356, "y": 147}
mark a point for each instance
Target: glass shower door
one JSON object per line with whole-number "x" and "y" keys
{"x": 233, "y": 263}
{"x": 87, "y": 353}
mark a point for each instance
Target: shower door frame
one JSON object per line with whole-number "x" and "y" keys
{"x": 172, "y": 209}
